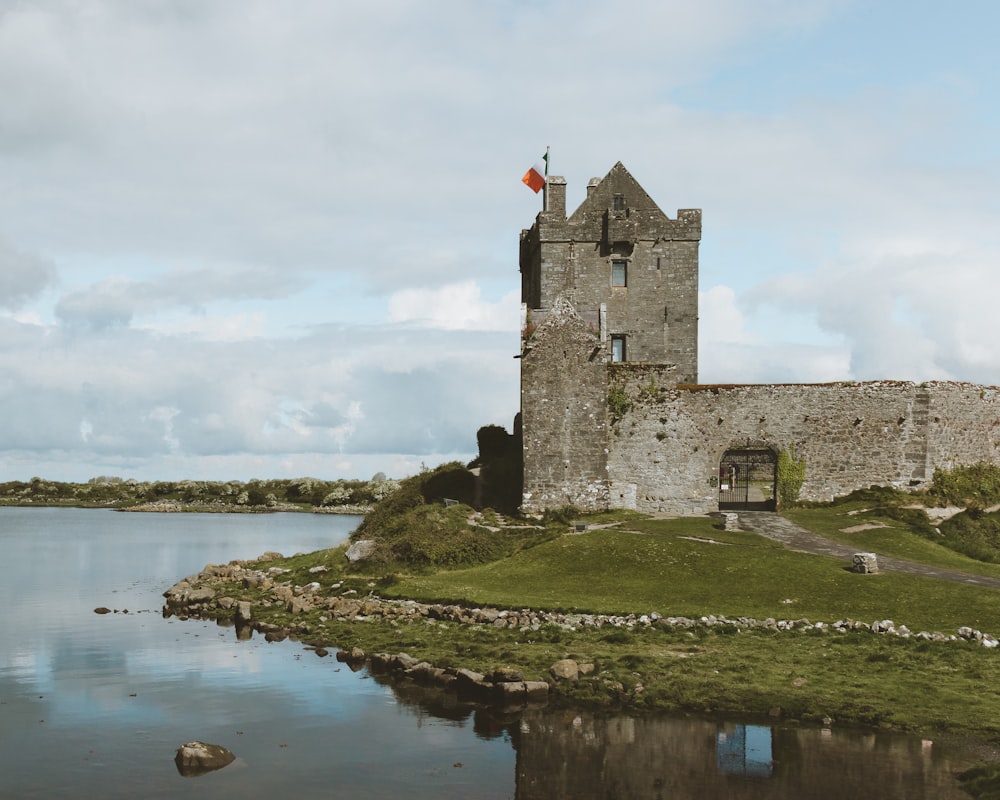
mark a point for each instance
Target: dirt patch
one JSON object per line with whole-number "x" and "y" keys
{"x": 699, "y": 539}
{"x": 939, "y": 514}
{"x": 868, "y": 526}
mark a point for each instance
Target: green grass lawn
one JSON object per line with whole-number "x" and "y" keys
{"x": 687, "y": 567}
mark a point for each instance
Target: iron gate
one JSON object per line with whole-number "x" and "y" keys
{"x": 747, "y": 480}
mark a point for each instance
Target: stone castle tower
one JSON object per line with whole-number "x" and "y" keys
{"x": 612, "y": 415}
{"x": 623, "y": 265}
{"x": 620, "y": 279}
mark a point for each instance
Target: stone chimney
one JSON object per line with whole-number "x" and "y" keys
{"x": 591, "y": 185}
{"x": 555, "y": 196}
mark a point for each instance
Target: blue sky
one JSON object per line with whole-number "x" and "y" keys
{"x": 251, "y": 239}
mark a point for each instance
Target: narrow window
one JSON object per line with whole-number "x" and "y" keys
{"x": 619, "y": 273}
{"x": 618, "y": 204}
{"x": 617, "y": 347}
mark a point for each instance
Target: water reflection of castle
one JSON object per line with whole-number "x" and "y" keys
{"x": 563, "y": 754}
{"x": 744, "y": 750}
{"x": 571, "y": 754}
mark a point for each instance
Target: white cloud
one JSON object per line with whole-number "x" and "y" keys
{"x": 719, "y": 320}
{"x": 730, "y": 352}
{"x": 299, "y": 232}
{"x": 217, "y": 328}
{"x": 457, "y": 306}
{"x": 905, "y": 311}
{"x": 23, "y": 276}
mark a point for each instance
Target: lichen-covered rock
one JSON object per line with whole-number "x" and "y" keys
{"x": 360, "y": 550}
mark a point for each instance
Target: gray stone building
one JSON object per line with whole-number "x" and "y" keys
{"x": 612, "y": 415}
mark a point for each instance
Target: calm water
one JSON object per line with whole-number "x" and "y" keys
{"x": 95, "y": 706}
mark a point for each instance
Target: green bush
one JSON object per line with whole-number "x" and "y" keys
{"x": 566, "y": 515}
{"x": 876, "y": 496}
{"x": 441, "y": 537}
{"x": 791, "y": 476}
{"x": 382, "y": 520}
{"x": 618, "y": 402}
{"x": 413, "y": 526}
{"x": 976, "y": 486}
{"x": 455, "y": 483}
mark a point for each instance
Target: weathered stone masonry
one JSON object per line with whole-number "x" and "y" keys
{"x": 641, "y": 433}
{"x": 667, "y": 448}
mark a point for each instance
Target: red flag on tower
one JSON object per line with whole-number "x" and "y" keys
{"x": 538, "y": 174}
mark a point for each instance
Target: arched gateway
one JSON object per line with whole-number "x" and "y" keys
{"x": 748, "y": 479}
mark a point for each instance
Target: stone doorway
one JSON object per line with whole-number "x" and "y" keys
{"x": 748, "y": 480}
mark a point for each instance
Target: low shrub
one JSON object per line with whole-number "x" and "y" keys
{"x": 972, "y": 533}
{"x": 385, "y": 520}
{"x": 976, "y": 486}
{"x": 566, "y": 515}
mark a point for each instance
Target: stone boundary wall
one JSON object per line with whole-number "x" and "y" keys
{"x": 666, "y": 449}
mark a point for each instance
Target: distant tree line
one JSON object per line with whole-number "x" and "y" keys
{"x": 111, "y": 491}
{"x": 492, "y": 480}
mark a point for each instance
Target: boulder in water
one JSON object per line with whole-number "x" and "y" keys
{"x": 197, "y": 758}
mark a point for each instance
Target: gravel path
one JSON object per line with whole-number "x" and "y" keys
{"x": 776, "y": 527}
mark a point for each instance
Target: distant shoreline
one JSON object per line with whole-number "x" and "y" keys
{"x": 174, "y": 507}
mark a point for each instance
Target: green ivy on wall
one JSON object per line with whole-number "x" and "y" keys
{"x": 650, "y": 391}
{"x": 618, "y": 402}
{"x": 791, "y": 476}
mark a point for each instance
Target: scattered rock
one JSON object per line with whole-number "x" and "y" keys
{"x": 360, "y": 550}
{"x": 244, "y": 616}
{"x": 197, "y": 758}
{"x": 565, "y": 670}
{"x": 353, "y": 656}
{"x": 102, "y": 610}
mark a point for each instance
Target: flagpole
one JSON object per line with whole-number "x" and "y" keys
{"x": 545, "y": 197}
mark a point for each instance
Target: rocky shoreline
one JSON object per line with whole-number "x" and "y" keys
{"x": 176, "y": 506}
{"x": 201, "y": 596}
